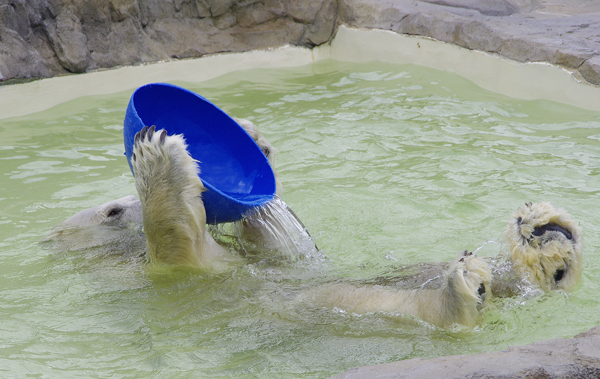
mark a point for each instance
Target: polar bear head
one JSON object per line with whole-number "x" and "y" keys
{"x": 545, "y": 246}
{"x": 265, "y": 146}
{"x": 114, "y": 227}
{"x": 116, "y": 212}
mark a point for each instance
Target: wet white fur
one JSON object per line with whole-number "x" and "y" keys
{"x": 174, "y": 218}
{"x": 537, "y": 258}
{"x": 456, "y": 302}
{"x": 257, "y": 228}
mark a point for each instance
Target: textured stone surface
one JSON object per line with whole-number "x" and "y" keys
{"x": 573, "y": 358}
{"x": 41, "y": 38}
{"x": 563, "y": 33}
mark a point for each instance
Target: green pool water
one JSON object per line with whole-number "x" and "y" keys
{"x": 387, "y": 165}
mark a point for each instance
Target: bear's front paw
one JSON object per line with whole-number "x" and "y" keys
{"x": 143, "y": 140}
{"x": 151, "y": 162}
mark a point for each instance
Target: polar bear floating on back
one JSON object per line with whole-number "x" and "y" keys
{"x": 544, "y": 242}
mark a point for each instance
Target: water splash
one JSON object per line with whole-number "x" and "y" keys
{"x": 275, "y": 227}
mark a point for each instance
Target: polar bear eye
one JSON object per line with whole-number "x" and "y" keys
{"x": 112, "y": 212}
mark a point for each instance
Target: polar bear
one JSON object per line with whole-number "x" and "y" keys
{"x": 462, "y": 292}
{"x": 545, "y": 249}
{"x": 173, "y": 214}
{"x": 545, "y": 246}
{"x": 116, "y": 226}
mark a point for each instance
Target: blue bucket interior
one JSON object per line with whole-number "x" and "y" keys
{"x": 234, "y": 170}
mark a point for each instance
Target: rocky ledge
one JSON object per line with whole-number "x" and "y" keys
{"x": 43, "y": 38}
{"x": 575, "y": 358}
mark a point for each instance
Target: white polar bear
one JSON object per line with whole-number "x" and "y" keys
{"x": 545, "y": 247}
{"x": 113, "y": 228}
{"x": 116, "y": 226}
{"x": 462, "y": 292}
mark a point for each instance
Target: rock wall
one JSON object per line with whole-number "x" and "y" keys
{"x": 575, "y": 358}
{"x": 562, "y": 32}
{"x": 43, "y": 38}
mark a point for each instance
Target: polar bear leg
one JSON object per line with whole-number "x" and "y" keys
{"x": 465, "y": 288}
{"x": 174, "y": 218}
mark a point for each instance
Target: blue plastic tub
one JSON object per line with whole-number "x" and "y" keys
{"x": 234, "y": 170}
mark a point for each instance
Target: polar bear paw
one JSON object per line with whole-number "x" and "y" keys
{"x": 470, "y": 277}
{"x": 163, "y": 168}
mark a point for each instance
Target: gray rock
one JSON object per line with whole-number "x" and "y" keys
{"x": 590, "y": 70}
{"x": 522, "y": 30}
{"x": 68, "y": 41}
{"x": 577, "y": 357}
{"x": 46, "y": 38}
{"x": 60, "y": 36}
{"x": 18, "y": 59}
